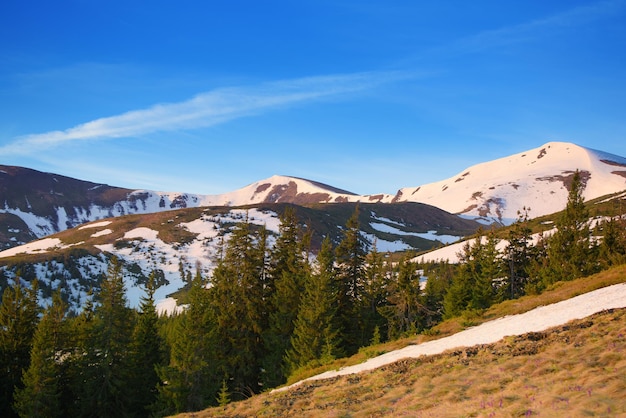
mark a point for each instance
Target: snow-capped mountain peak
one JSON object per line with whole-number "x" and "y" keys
{"x": 537, "y": 179}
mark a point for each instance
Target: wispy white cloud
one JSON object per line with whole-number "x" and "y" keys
{"x": 205, "y": 109}
{"x": 535, "y": 28}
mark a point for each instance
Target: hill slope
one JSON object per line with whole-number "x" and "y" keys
{"x": 575, "y": 369}
{"x": 538, "y": 178}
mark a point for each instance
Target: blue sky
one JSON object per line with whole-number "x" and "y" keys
{"x": 369, "y": 96}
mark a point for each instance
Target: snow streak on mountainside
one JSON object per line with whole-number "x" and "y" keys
{"x": 537, "y": 179}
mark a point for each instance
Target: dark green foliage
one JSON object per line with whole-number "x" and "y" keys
{"x": 440, "y": 277}
{"x": 350, "y": 258}
{"x": 100, "y": 362}
{"x": 190, "y": 376}
{"x": 612, "y": 249}
{"x": 405, "y": 312}
{"x": 146, "y": 354}
{"x": 240, "y": 308}
{"x": 18, "y": 320}
{"x": 570, "y": 252}
{"x": 473, "y": 286}
{"x": 43, "y": 381}
{"x": 518, "y": 258}
{"x": 315, "y": 338}
{"x": 288, "y": 269}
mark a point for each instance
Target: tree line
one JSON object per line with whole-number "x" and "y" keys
{"x": 269, "y": 310}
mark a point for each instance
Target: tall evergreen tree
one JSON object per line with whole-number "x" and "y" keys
{"x": 473, "y": 284}
{"x": 405, "y": 312}
{"x": 192, "y": 374}
{"x": 350, "y": 257}
{"x": 612, "y": 249}
{"x": 19, "y": 313}
{"x": 315, "y": 336}
{"x": 286, "y": 277}
{"x": 43, "y": 381}
{"x": 570, "y": 251}
{"x": 240, "y": 307}
{"x": 146, "y": 354}
{"x": 518, "y": 257}
{"x": 374, "y": 292}
{"x": 102, "y": 356}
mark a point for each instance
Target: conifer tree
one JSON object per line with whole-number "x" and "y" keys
{"x": 146, "y": 354}
{"x": 240, "y": 308}
{"x": 486, "y": 267}
{"x": 104, "y": 375}
{"x": 18, "y": 320}
{"x": 518, "y": 257}
{"x": 612, "y": 249}
{"x": 374, "y": 291}
{"x": 191, "y": 375}
{"x": 286, "y": 276}
{"x": 43, "y": 381}
{"x": 473, "y": 284}
{"x": 315, "y": 337}
{"x": 570, "y": 251}
{"x": 440, "y": 276}
{"x": 350, "y": 257}
{"x": 405, "y": 312}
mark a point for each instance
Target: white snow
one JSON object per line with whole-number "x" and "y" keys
{"x": 503, "y": 186}
{"x": 101, "y": 233}
{"x": 40, "y": 246}
{"x": 96, "y": 225}
{"x": 538, "y": 319}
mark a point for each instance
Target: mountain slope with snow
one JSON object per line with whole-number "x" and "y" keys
{"x": 537, "y": 179}
{"x": 34, "y": 204}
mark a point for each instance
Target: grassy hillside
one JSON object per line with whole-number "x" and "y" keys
{"x": 578, "y": 369}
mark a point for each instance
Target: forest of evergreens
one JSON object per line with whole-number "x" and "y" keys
{"x": 268, "y": 311}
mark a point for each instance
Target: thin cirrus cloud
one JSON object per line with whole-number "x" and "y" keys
{"x": 206, "y": 109}
{"x": 533, "y": 29}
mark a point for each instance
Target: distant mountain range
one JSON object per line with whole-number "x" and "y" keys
{"x": 36, "y": 204}
{"x": 63, "y": 230}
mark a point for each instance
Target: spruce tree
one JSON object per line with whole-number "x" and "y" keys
{"x": 146, "y": 354}
{"x": 374, "y": 292}
{"x": 570, "y": 251}
{"x": 43, "y": 381}
{"x": 191, "y": 377}
{"x": 350, "y": 257}
{"x": 103, "y": 375}
{"x": 288, "y": 269}
{"x": 240, "y": 307}
{"x": 518, "y": 257}
{"x": 315, "y": 336}
{"x": 405, "y": 311}
{"x": 18, "y": 320}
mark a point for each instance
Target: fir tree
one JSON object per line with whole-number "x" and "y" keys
{"x": 146, "y": 354}
{"x": 374, "y": 291}
{"x": 190, "y": 376}
{"x": 101, "y": 388}
{"x": 18, "y": 320}
{"x": 405, "y": 312}
{"x": 43, "y": 380}
{"x": 350, "y": 257}
{"x": 240, "y": 308}
{"x": 315, "y": 337}
{"x": 570, "y": 252}
{"x": 518, "y": 257}
{"x": 287, "y": 272}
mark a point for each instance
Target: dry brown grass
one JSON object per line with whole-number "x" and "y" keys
{"x": 578, "y": 369}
